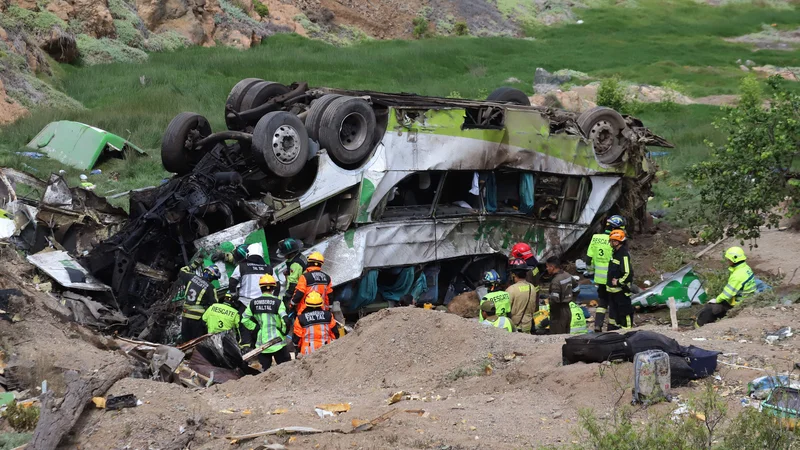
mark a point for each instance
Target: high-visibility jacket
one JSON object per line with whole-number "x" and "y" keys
{"x": 621, "y": 269}
{"x": 524, "y": 303}
{"x": 221, "y": 317}
{"x": 267, "y": 312}
{"x": 314, "y": 280}
{"x": 578, "y": 323}
{"x": 498, "y": 322}
{"x": 600, "y": 252}
{"x": 294, "y": 270}
{"x": 502, "y": 302}
{"x": 741, "y": 284}
{"x": 313, "y": 329}
{"x": 245, "y": 278}
{"x": 198, "y": 295}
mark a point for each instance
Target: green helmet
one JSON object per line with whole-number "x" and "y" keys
{"x": 735, "y": 254}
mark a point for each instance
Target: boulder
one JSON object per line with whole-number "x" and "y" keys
{"x": 60, "y": 45}
{"x": 544, "y": 81}
{"x": 10, "y": 109}
{"x": 94, "y": 16}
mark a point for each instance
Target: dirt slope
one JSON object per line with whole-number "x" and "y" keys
{"x": 530, "y": 400}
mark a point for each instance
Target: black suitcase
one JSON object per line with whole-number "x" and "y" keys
{"x": 644, "y": 340}
{"x": 595, "y": 348}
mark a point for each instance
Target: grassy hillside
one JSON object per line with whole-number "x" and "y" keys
{"x": 651, "y": 43}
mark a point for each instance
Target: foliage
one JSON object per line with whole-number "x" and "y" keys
{"x": 236, "y": 12}
{"x": 128, "y": 34}
{"x": 707, "y": 426}
{"x": 461, "y": 29}
{"x": 105, "y": 51}
{"x": 673, "y": 89}
{"x": 744, "y": 181}
{"x": 260, "y": 8}
{"x": 312, "y": 28}
{"x": 672, "y": 259}
{"x": 10, "y": 441}
{"x": 121, "y": 10}
{"x": 612, "y": 93}
{"x": 751, "y": 93}
{"x": 421, "y": 26}
{"x": 35, "y": 22}
{"x": 167, "y": 41}
{"x": 20, "y": 417}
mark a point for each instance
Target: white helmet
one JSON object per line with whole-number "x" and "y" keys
{"x": 84, "y": 177}
{"x": 255, "y": 249}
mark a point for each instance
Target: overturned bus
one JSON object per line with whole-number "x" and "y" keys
{"x": 404, "y": 195}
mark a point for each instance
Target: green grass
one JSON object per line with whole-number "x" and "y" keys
{"x": 655, "y": 42}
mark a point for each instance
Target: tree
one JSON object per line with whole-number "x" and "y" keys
{"x": 746, "y": 181}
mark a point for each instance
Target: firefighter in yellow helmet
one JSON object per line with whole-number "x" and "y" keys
{"x": 313, "y": 280}
{"x": 314, "y": 327}
{"x": 620, "y": 278}
{"x": 267, "y": 314}
{"x": 741, "y": 284}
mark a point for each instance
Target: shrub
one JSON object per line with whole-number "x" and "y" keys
{"x": 420, "y": 27}
{"x": 36, "y": 22}
{"x": 167, "y": 41}
{"x": 611, "y": 93}
{"x": 128, "y": 34}
{"x": 260, "y": 8}
{"x": 21, "y": 418}
{"x": 104, "y": 51}
{"x": 461, "y": 29}
{"x": 751, "y": 94}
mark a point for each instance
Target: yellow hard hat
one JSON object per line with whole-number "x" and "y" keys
{"x": 267, "y": 280}
{"x": 735, "y": 254}
{"x": 313, "y": 299}
{"x": 316, "y": 257}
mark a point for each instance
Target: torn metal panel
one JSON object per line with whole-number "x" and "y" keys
{"x": 233, "y": 234}
{"x": 12, "y": 180}
{"x": 374, "y": 246}
{"x": 86, "y": 311}
{"x": 66, "y": 271}
{"x": 684, "y": 286}
{"x": 79, "y": 145}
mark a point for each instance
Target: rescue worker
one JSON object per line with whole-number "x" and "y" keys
{"x": 244, "y": 283}
{"x": 296, "y": 263}
{"x": 599, "y": 255}
{"x": 222, "y": 316}
{"x": 489, "y": 316}
{"x": 85, "y": 183}
{"x": 197, "y": 296}
{"x": 563, "y": 289}
{"x": 523, "y": 251}
{"x": 578, "y": 323}
{"x": 524, "y": 297}
{"x": 313, "y": 280}
{"x": 741, "y": 284}
{"x": 268, "y": 314}
{"x": 500, "y": 298}
{"x": 620, "y": 278}
{"x": 314, "y": 326}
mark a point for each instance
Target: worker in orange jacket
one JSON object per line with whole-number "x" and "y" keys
{"x": 314, "y": 327}
{"x": 313, "y": 280}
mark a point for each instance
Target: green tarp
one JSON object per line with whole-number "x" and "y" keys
{"x": 79, "y": 145}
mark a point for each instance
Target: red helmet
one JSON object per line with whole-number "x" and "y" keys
{"x": 521, "y": 250}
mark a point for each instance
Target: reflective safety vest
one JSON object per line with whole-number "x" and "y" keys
{"x": 741, "y": 283}
{"x": 578, "y": 323}
{"x": 221, "y": 317}
{"x": 600, "y": 251}
{"x": 313, "y": 280}
{"x": 500, "y": 322}
{"x": 313, "y": 328}
{"x": 198, "y": 295}
{"x": 266, "y": 313}
{"x": 502, "y": 302}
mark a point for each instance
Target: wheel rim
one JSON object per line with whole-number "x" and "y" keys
{"x": 353, "y": 131}
{"x": 602, "y": 134}
{"x": 286, "y": 144}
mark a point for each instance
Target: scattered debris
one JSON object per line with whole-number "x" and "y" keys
{"x": 683, "y": 286}
{"x": 66, "y": 271}
{"x": 79, "y": 145}
{"x": 781, "y": 334}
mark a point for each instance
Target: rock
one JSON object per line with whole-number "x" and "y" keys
{"x": 573, "y": 100}
{"x": 30, "y": 5}
{"x": 61, "y": 8}
{"x": 787, "y": 73}
{"x": 193, "y": 19}
{"x": 739, "y": 61}
{"x": 749, "y": 63}
{"x": 744, "y": 68}
{"x": 323, "y": 16}
{"x": 235, "y": 38}
{"x": 12, "y": 110}
{"x": 544, "y": 81}
{"x": 95, "y": 17}
{"x": 513, "y": 80}
{"x": 557, "y": 414}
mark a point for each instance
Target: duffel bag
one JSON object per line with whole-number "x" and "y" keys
{"x": 595, "y": 348}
